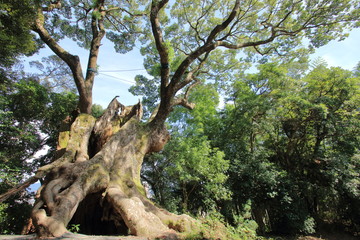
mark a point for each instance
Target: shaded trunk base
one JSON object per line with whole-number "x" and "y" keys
{"x": 96, "y": 217}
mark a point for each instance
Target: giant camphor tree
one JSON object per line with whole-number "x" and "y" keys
{"x": 96, "y": 171}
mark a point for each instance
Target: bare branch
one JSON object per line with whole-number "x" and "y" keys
{"x": 195, "y": 28}
{"x": 262, "y": 53}
{"x": 18, "y": 188}
{"x": 190, "y": 75}
{"x": 194, "y": 84}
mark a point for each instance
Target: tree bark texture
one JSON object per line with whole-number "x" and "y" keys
{"x": 95, "y": 181}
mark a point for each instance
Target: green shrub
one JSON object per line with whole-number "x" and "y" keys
{"x": 214, "y": 227}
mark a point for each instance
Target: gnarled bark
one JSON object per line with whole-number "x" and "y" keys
{"x": 98, "y": 175}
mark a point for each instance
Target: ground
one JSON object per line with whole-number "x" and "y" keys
{"x": 68, "y": 236}
{"x": 73, "y": 236}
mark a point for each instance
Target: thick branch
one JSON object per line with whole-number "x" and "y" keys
{"x": 165, "y": 95}
{"x": 168, "y": 91}
{"x": 72, "y": 61}
{"x": 246, "y": 44}
{"x": 208, "y": 46}
{"x": 183, "y": 102}
{"x": 160, "y": 44}
{"x": 84, "y": 85}
{"x": 98, "y": 32}
{"x": 225, "y": 24}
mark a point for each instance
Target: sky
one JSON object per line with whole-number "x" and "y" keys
{"x": 345, "y": 54}
{"x": 117, "y": 71}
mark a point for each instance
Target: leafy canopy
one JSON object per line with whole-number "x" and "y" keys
{"x": 15, "y": 36}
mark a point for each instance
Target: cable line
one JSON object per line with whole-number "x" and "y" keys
{"x": 124, "y": 70}
{"x": 121, "y": 79}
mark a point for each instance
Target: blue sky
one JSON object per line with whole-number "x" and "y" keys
{"x": 345, "y": 54}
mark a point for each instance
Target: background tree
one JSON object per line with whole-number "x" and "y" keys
{"x": 54, "y": 74}
{"x": 15, "y": 36}
{"x": 299, "y": 134}
{"x": 25, "y": 130}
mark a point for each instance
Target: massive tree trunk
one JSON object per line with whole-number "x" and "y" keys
{"x": 95, "y": 181}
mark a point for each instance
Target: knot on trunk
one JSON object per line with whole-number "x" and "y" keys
{"x": 158, "y": 139}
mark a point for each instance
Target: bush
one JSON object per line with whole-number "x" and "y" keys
{"x": 213, "y": 226}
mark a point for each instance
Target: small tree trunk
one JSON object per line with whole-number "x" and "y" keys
{"x": 98, "y": 175}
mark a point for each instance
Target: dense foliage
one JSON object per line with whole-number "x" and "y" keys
{"x": 292, "y": 150}
{"x": 15, "y": 36}
{"x": 30, "y": 115}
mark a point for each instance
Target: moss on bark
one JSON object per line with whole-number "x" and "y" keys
{"x": 108, "y": 178}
